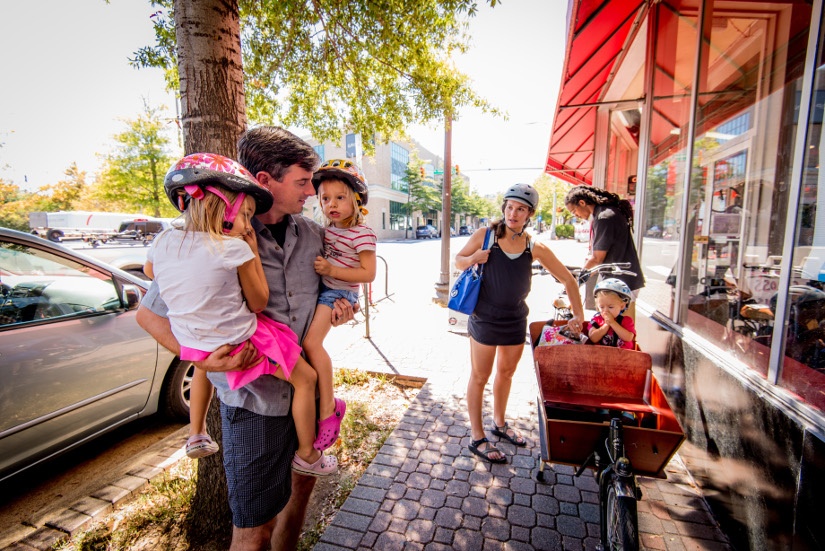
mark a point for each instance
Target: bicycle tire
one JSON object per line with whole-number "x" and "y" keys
{"x": 622, "y": 521}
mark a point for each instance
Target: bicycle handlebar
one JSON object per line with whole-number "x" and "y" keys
{"x": 614, "y": 268}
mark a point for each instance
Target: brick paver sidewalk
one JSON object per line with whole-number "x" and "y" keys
{"x": 425, "y": 490}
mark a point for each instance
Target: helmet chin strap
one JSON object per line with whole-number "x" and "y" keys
{"x": 232, "y": 209}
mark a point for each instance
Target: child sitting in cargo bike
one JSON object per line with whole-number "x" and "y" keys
{"x": 608, "y": 327}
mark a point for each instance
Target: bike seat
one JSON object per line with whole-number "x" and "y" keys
{"x": 757, "y": 312}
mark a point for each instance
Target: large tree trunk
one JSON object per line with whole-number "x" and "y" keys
{"x": 210, "y": 520}
{"x": 214, "y": 117}
{"x": 213, "y": 112}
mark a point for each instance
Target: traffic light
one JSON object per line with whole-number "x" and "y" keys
{"x": 457, "y": 171}
{"x": 421, "y": 170}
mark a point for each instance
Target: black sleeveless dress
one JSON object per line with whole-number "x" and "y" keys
{"x": 500, "y": 317}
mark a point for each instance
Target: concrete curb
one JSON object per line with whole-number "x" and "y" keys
{"x": 125, "y": 484}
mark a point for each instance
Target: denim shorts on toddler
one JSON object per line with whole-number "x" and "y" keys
{"x": 329, "y": 296}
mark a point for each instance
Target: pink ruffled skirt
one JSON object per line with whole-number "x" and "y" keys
{"x": 276, "y": 341}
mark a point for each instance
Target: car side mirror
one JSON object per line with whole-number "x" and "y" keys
{"x": 131, "y": 296}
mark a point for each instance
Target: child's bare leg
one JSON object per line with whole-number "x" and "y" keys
{"x": 200, "y": 394}
{"x": 318, "y": 358}
{"x": 303, "y": 379}
{"x": 199, "y": 444}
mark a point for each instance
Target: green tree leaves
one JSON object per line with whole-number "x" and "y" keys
{"x": 132, "y": 174}
{"x": 369, "y": 67}
{"x": 423, "y": 194}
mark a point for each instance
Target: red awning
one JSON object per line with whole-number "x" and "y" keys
{"x": 598, "y": 32}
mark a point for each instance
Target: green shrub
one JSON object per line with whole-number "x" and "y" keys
{"x": 565, "y": 231}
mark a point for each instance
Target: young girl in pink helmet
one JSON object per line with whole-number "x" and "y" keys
{"x": 210, "y": 276}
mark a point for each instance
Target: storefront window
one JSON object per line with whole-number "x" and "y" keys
{"x": 674, "y": 60}
{"x": 803, "y": 369}
{"x": 623, "y": 152}
{"x": 750, "y": 65}
{"x": 627, "y": 90}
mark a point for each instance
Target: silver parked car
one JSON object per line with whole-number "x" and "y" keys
{"x": 426, "y": 232}
{"x": 73, "y": 361}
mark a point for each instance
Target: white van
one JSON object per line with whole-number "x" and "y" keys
{"x": 582, "y": 231}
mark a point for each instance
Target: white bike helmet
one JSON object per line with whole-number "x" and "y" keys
{"x": 523, "y": 193}
{"x": 617, "y": 286}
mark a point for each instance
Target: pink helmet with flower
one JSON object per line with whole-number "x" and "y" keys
{"x": 199, "y": 173}
{"x": 202, "y": 169}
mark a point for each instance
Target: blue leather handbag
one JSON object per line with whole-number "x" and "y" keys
{"x": 464, "y": 293}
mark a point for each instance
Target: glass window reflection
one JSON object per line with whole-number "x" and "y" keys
{"x": 803, "y": 369}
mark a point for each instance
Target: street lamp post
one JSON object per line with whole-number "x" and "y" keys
{"x": 442, "y": 286}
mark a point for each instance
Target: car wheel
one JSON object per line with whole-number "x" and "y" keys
{"x": 56, "y": 236}
{"x": 176, "y": 389}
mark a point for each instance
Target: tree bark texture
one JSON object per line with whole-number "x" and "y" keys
{"x": 213, "y": 112}
{"x": 213, "y": 116}
{"x": 210, "y": 520}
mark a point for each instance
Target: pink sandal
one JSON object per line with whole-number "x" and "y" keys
{"x": 200, "y": 445}
{"x": 326, "y": 465}
{"x": 329, "y": 428}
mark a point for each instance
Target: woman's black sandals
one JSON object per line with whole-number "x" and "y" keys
{"x": 508, "y": 433}
{"x": 485, "y": 453}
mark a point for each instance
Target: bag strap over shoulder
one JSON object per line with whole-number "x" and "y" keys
{"x": 484, "y": 246}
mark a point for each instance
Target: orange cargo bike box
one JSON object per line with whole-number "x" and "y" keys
{"x": 581, "y": 387}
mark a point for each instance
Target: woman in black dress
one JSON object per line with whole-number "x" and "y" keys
{"x": 498, "y": 326}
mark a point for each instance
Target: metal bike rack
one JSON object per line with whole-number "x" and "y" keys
{"x": 366, "y": 289}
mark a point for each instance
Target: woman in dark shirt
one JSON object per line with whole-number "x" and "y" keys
{"x": 610, "y": 237}
{"x": 498, "y": 326}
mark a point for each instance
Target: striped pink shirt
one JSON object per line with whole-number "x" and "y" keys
{"x": 341, "y": 248}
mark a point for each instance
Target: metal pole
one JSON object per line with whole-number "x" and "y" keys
{"x": 366, "y": 289}
{"x": 442, "y": 286}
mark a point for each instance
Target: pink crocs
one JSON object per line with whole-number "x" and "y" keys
{"x": 326, "y": 465}
{"x": 329, "y": 428}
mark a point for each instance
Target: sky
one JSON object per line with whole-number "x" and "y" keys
{"x": 68, "y": 88}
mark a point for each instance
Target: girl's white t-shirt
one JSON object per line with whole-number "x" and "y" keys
{"x": 197, "y": 277}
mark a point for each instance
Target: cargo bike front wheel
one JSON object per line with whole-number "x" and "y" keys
{"x": 618, "y": 494}
{"x": 622, "y": 521}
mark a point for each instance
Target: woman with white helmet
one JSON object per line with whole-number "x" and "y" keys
{"x": 611, "y": 326}
{"x": 498, "y": 326}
